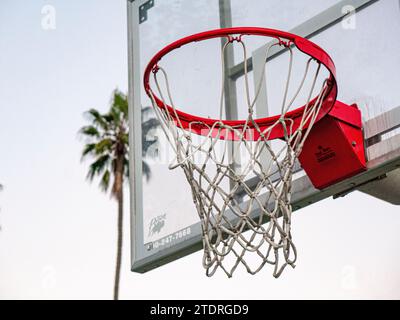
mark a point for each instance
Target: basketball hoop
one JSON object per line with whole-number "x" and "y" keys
{"x": 230, "y": 232}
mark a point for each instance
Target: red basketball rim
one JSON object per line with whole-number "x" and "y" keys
{"x": 201, "y": 125}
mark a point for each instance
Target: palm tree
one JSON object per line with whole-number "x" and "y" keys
{"x": 107, "y": 144}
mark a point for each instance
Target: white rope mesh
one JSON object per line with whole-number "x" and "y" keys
{"x": 242, "y": 224}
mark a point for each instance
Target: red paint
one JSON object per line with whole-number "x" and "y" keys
{"x": 334, "y": 149}
{"x": 204, "y": 124}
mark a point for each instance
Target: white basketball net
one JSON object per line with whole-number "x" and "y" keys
{"x": 242, "y": 224}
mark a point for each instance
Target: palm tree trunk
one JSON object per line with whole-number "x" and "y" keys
{"x": 119, "y": 245}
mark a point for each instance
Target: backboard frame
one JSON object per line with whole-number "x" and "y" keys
{"x": 383, "y": 154}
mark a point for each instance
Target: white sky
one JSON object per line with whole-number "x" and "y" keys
{"x": 59, "y": 232}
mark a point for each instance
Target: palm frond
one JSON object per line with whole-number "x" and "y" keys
{"x": 87, "y": 149}
{"x": 105, "y": 181}
{"x": 120, "y": 103}
{"x": 145, "y": 112}
{"x": 146, "y": 170}
{"x": 109, "y": 118}
{"x": 90, "y": 131}
{"x": 146, "y": 144}
{"x": 126, "y": 167}
{"x": 149, "y": 125}
{"x": 97, "y": 167}
{"x": 104, "y": 146}
{"x": 97, "y": 119}
{"x": 117, "y": 116}
{"x": 125, "y": 139}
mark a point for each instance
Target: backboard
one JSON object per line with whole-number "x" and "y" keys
{"x": 164, "y": 221}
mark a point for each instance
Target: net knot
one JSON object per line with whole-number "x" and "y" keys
{"x": 284, "y": 43}
{"x": 233, "y": 38}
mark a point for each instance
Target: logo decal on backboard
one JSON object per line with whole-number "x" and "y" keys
{"x": 156, "y": 224}
{"x": 324, "y": 154}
